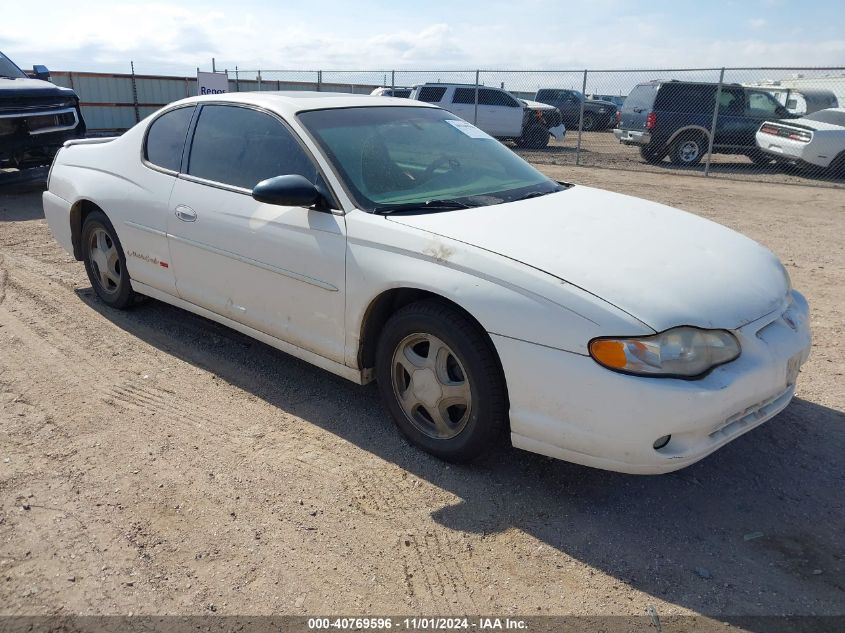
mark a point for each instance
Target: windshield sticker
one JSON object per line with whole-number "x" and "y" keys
{"x": 468, "y": 128}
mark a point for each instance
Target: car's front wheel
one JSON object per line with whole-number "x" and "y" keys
{"x": 590, "y": 123}
{"x": 441, "y": 381}
{"x": 105, "y": 261}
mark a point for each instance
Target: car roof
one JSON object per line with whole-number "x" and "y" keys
{"x": 289, "y": 102}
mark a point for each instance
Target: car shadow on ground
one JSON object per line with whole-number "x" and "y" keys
{"x": 755, "y": 529}
{"x": 16, "y": 203}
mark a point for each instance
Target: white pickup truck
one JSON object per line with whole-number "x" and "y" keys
{"x": 497, "y": 112}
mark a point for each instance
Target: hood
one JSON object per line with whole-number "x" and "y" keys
{"x": 663, "y": 266}
{"x": 536, "y": 105}
{"x": 32, "y": 88}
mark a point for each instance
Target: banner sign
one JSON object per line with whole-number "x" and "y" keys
{"x": 212, "y": 83}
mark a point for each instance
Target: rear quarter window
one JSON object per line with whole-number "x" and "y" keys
{"x": 432, "y": 94}
{"x": 691, "y": 98}
{"x": 166, "y": 138}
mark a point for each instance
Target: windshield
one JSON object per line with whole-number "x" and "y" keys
{"x": 394, "y": 157}
{"x": 836, "y": 117}
{"x": 8, "y": 69}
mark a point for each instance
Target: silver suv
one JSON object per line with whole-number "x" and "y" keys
{"x": 497, "y": 112}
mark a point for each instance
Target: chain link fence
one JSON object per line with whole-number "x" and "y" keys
{"x": 762, "y": 124}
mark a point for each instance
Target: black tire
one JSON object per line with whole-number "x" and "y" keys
{"x": 479, "y": 424}
{"x": 589, "y": 123}
{"x": 116, "y": 291}
{"x": 761, "y": 159}
{"x": 688, "y": 149}
{"x": 837, "y": 167}
{"x": 652, "y": 155}
{"x": 535, "y": 137}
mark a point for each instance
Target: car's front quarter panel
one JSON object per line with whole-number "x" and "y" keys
{"x": 506, "y": 297}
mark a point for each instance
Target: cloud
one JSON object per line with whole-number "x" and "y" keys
{"x": 175, "y": 39}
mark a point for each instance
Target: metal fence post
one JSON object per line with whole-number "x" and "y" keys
{"x": 135, "y": 93}
{"x": 259, "y": 81}
{"x": 237, "y": 81}
{"x": 713, "y": 123}
{"x": 319, "y": 81}
{"x": 581, "y": 119}
{"x": 475, "y": 116}
{"x": 392, "y": 83}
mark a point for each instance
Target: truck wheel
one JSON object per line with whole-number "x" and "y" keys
{"x": 535, "y": 137}
{"x": 652, "y": 155}
{"x": 440, "y": 379}
{"x": 105, "y": 262}
{"x": 589, "y": 123}
{"x": 688, "y": 150}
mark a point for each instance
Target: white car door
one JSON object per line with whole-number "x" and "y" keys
{"x": 462, "y": 104}
{"x": 279, "y": 270}
{"x": 501, "y": 112}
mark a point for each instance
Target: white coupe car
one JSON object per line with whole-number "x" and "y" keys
{"x": 387, "y": 239}
{"x": 816, "y": 140}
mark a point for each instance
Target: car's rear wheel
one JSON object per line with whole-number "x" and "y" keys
{"x": 589, "y": 122}
{"x": 105, "y": 261}
{"x": 441, "y": 381}
{"x": 760, "y": 159}
{"x": 652, "y": 155}
{"x": 688, "y": 150}
{"x": 837, "y": 167}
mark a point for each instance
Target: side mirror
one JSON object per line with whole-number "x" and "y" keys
{"x": 41, "y": 72}
{"x": 288, "y": 191}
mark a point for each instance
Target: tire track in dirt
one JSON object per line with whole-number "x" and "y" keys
{"x": 292, "y": 448}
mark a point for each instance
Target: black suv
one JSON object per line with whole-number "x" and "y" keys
{"x": 36, "y": 117}
{"x": 674, "y": 118}
{"x": 598, "y": 115}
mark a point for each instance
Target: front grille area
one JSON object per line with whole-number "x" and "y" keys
{"x": 753, "y": 414}
{"x": 24, "y": 104}
{"x": 552, "y": 117}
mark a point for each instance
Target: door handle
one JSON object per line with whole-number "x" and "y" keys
{"x": 186, "y": 214}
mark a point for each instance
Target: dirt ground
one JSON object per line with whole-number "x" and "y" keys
{"x": 154, "y": 462}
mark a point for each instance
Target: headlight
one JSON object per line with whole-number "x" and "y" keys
{"x": 682, "y": 352}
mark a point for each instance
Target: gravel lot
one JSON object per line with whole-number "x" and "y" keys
{"x": 154, "y": 462}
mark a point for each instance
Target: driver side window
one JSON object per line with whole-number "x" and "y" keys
{"x": 241, "y": 147}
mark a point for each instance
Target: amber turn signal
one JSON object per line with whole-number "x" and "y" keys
{"x": 609, "y": 353}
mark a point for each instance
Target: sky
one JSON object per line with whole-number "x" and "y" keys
{"x": 176, "y": 38}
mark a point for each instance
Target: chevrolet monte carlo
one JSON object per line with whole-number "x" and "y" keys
{"x": 387, "y": 239}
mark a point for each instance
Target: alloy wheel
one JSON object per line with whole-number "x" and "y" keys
{"x": 431, "y": 386}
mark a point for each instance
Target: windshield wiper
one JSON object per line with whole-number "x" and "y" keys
{"x": 533, "y": 194}
{"x": 428, "y": 205}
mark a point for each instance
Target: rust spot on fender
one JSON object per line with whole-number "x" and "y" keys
{"x": 440, "y": 252}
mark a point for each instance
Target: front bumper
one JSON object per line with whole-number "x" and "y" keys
{"x": 558, "y": 131}
{"x": 632, "y": 137}
{"x": 567, "y": 406}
